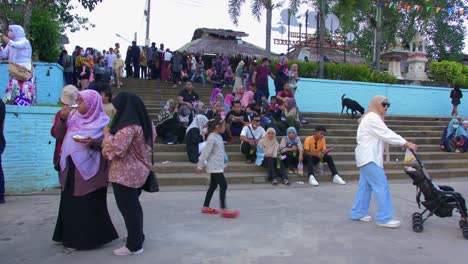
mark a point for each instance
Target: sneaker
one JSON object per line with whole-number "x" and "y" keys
{"x": 274, "y": 182}
{"x": 124, "y": 251}
{"x": 312, "y": 180}
{"x": 286, "y": 182}
{"x": 390, "y": 224}
{"x": 366, "y": 219}
{"x": 338, "y": 180}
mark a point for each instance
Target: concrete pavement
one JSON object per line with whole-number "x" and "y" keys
{"x": 297, "y": 224}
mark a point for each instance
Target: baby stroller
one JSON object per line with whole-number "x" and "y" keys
{"x": 438, "y": 200}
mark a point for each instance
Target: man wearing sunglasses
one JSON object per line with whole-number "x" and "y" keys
{"x": 315, "y": 150}
{"x": 250, "y": 135}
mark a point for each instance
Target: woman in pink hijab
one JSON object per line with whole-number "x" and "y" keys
{"x": 83, "y": 220}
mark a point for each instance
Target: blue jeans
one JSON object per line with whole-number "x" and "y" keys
{"x": 372, "y": 178}
{"x": 202, "y": 78}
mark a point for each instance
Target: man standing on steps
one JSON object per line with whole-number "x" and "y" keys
{"x": 176, "y": 67}
{"x": 136, "y": 60}
{"x": 187, "y": 98}
{"x": 260, "y": 77}
{"x": 315, "y": 150}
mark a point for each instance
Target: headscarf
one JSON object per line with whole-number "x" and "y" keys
{"x": 374, "y": 106}
{"x": 247, "y": 98}
{"x": 464, "y": 122}
{"x": 240, "y": 91}
{"x": 228, "y": 100}
{"x": 198, "y": 107}
{"x": 19, "y": 48}
{"x": 200, "y": 122}
{"x": 296, "y": 138}
{"x": 228, "y": 73}
{"x": 131, "y": 111}
{"x": 291, "y": 103}
{"x": 166, "y": 113}
{"x": 226, "y": 107}
{"x": 87, "y": 161}
{"x": 215, "y": 92}
{"x": 459, "y": 131}
{"x": 269, "y": 146}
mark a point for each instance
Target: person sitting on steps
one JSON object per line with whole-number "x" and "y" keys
{"x": 315, "y": 149}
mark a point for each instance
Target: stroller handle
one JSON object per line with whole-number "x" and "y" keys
{"x": 421, "y": 164}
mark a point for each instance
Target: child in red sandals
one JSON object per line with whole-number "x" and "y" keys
{"x": 214, "y": 159}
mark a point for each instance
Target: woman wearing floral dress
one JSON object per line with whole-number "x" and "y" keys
{"x": 18, "y": 50}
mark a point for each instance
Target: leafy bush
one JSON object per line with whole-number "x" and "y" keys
{"x": 382, "y": 77}
{"x": 348, "y": 72}
{"x": 447, "y": 71}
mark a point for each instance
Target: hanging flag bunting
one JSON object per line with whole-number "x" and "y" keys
{"x": 405, "y": 6}
{"x": 386, "y": 4}
{"x": 438, "y": 9}
{"x": 418, "y": 7}
{"x": 449, "y": 10}
{"x": 408, "y": 8}
{"x": 428, "y": 8}
{"x": 462, "y": 11}
{"x": 399, "y": 6}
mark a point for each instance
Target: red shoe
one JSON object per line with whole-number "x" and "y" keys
{"x": 230, "y": 214}
{"x": 231, "y": 142}
{"x": 209, "y": 211}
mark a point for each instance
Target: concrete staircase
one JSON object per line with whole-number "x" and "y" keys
{"x": 173, "y": 168}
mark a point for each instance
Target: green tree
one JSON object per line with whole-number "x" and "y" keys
{"x": 45, "y": 35}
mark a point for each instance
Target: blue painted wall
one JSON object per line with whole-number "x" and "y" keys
{"x": 315, "y": 95}
{"x": 49, "y": 87}
{"x": 27, "y": 160}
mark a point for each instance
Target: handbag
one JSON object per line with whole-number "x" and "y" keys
{"x": 151, "y": 184}
{"x": 19, "y": 72}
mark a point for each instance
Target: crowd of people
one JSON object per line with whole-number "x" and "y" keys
{"x": 101, "y": 139}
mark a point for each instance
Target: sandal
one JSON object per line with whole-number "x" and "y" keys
{"x": 209, "y": 211}
{"x": 274, "y": 182}
{"x": 230, "y": 214}
{"x": 286, "y": 182}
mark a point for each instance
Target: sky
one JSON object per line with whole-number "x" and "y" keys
{"x": 172, "y": 23}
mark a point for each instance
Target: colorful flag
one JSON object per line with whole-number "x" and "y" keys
{"x": 449, "y": 10}
{"x": 428, "y": 8}
{"x": 438, "y": 9}
{"x": 462, "y": 11}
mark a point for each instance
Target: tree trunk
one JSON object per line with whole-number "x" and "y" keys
{"x": 322, "y": 38}
{"x": 378, "y": 35}
{"x": 27, "y": 13}
{"x": 268, "y": 31}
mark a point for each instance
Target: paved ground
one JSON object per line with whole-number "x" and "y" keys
{"x": 297, "y": 224}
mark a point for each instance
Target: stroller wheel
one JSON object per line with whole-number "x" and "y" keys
{"x": 418, "y": 227}
{"x": 461, "y": 223}
{"x": 417, "y": 215}
{"x": 465, "y": 232}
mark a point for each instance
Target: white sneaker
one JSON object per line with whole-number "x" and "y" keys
{"x": 312, "y": 180}
{"x": 338, "y": 180}
{"x": 124, "y": 251}
{"x": 366, "y": 219}
{"x": 390, "y": 224}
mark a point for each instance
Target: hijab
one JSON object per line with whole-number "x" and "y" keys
{"x": 247, "y": 98}
{"x": 269, "y": 146}
{"x": 291, "y": 103}
{"x": 228, "y": 100}
{"x": 87, "y": 161}
{"x": 198, "y": 108}
{"x": 296, "y": 138}
{"x": 239, "y": 94}
{"x": 167, "y": 112}
{"x": 459, "y": 131}
{"x": 131, "y": 111}
{"x": 200, "y": 122}
{"x": 228, "y": 73}
{"x": 374, "y": 106}
{"x": 214, "y": 93}
{"x": 226, "y": 107}
{"x": 463, "y": 122}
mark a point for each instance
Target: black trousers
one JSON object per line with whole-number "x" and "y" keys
{"x": 136, "y": 70}
{"x": 215, "y": 179}
{"x": 272, "y": 166}
{"x": 2, "y": 181}
{"x": 312, "y": 160}
{"x": 264, "y": 89}
{"x": 130, "y": 208}
{"x": 249, "y": 151}
{"x": 192, "y": 139}
{"x": 291, "y": 160}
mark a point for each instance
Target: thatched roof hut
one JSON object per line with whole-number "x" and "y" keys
{"x": 223, "y": 41}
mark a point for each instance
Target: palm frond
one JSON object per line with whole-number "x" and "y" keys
{"x": 235, "y": 10}
{"x": 294, "y": 5}
{"x": 257, "y": 7}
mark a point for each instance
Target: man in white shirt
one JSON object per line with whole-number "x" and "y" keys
{"x": 110, "y": 57}
{"x": 250, "y": 136}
